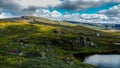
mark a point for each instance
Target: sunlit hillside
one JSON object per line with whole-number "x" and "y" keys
{"x": 43, "y": 43}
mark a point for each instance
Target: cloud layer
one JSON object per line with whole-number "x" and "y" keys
{"x": 21, "y": 7}
{"x": 112, "y": 15}
{"x": 11, "y": 8}
{"x": 84, "y": 4}
{"x": 54, "y": 15}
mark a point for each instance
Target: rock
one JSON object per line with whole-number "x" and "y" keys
{"x": 47, "y": 42}
{"x": 20, "y": 52}
{"x": 43, "y": 55}
{"x": 49, "y": 50}
{"x": 7, "y": 46}
{"x": 97, "y": 34}
{"x": 117, "y": 43}
{"x": 93, "y": 44}
{"x": 69, "y": 61}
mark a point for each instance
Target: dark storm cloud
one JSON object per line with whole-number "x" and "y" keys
{"x": 24, "y": 7}
{"x": 10, "y": 6}
{"x": 84, "y": 4}
{"x": 30, "y": 10}
{"x": 75, "y": 5}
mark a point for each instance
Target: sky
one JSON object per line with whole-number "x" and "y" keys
{"x": 86, "y": 11}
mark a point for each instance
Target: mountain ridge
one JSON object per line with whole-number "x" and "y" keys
{"x": 105, "y": 26}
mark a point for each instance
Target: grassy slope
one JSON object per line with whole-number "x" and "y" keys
{"x": 37, "y": 35}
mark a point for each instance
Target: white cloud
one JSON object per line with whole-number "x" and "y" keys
{"x": 39, "y": 8}
{"x": 72, "y": 17}
{"x": 55, "y": 14}
{"x": 4, "y": 15}
{"x": 94, "y": 16}
{"x": 42, "y": 13}
{"x": 112, "y": 10}
{"x": 113, "y": 13}
{"x": 47, "y": 14}
{"x": 84, "y": 18}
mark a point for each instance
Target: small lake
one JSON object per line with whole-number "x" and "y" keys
{"x": 104, "y": 61}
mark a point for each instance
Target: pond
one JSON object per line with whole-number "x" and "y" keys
{"x": 104, "y": 60}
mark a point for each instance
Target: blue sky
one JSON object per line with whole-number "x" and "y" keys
{"x": 103, "y": 11}
{"x": 93, "y": 10}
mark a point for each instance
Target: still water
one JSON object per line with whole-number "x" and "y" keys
{"x": 104, "y": 61}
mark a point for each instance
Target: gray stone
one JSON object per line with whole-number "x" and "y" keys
{"x": 43, "y": 55}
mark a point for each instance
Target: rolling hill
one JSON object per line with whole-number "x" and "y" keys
{"x": 32, "y": 42}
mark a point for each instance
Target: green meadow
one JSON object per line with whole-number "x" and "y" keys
{"x": 43, "y": 43}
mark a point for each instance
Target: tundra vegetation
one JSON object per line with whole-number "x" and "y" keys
{"x": 31, "y": 42}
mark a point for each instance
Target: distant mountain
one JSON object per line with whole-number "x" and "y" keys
{"x": 33, "y": 19}
{"x": 99, "y": 25}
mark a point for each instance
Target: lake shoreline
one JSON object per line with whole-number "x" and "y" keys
{"x": 104, "y": 61}
{"x": 81, "y": 55}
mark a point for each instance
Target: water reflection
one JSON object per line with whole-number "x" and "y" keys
{"x": 104, "y": 61}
